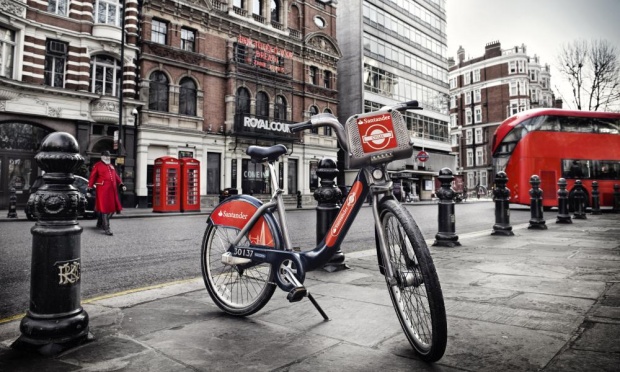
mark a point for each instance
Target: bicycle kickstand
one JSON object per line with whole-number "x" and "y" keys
{"x": 299, "y": 292}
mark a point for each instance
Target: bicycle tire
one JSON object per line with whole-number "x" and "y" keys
{"x": 420, "y": 308}
{"x": 237, "y": 292}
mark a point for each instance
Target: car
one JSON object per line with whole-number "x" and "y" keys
{"x": 79, "y": 183}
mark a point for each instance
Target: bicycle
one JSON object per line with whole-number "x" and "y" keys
{"x": 247, "y": 251}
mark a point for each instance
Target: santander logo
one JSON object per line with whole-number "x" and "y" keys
{"x": 239, "y": 216}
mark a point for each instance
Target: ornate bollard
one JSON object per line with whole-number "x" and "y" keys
{"x": 616, "y": 205}
{"x": 328, "y": 197}
{"x": 579, "y": 201}
{"x": 536, "y": 207}
{"x": 12, "y": 204}
{"x": 563, "y": 215}
{"x": 446, "y": 236}
{"x": 596, "y": 201}
{"x": 56, "y": 320}
{"x": 501, "y": 197}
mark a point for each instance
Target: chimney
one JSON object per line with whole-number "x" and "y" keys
{"x": 492, "y": 49}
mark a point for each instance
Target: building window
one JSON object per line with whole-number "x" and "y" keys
{"x": 477, "y": 114}
{"x": 468, "y": 139}
{"x": 105, "y": 75}
{"x": 467, "y": 98}
{"x": 314, "y": 75}
{"x": 514, "y": 107}
{"x": 468, "y": 118}
{"x": 512, "y": 67}
{"x": 7, "y": 52}
{"x": 314, "y": 111}
{"x": 454, "y": 120}
{"x": 243, "y": 101}
{"x": 522, "y": 88}
{"x": 479, "y": 156}
{"x": 239, "y": 4}
{"x": 262, "y": 105}
{"x": 454, "y": 140}
{"x": 279, "y": 108}
{"x": 158, "y": 91}
{"x": 478, "y": 135}
{"x": 240, "y": 53}
{"x": 188, "y": 40}
{"x": 275, "y": 11}
{"x": 477, "y": 95}
{"x": 471, "y": 180}
{"x": 214, "y": 172}
{"x": 59, "y": 7}
{"x": 453, "y": 83}
{"x": 327, "y": 79}
{"x": 257, "y": 7}
{"x": 107, "y": 11}
{"x": 476, "y": 75}
{"x": 159, "y": 32}
{"x": 453, "y": 101}
{"x": 521, "y": 66}
{"x": 466, "y": 78}
{"x": 187, "y": 97}
{"x": 55, "y": 62}
{"x": 483, "y": 178}
{"x": 470, "y": 158}
{"x": 513, "y": 88}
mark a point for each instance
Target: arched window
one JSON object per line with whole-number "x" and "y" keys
{"x": 262, "y": 105}
{"x": 275, "y": 11}
{"x": 327, "y": 130}
{"x": 187, "y": 97}
{"x": 243, "y": 101}
{"x": 314, "y": 111}
{"x": 279, "y": 108}
{"x": 158, "y": 92}
{"x": 257, "y": 7}
{"x": 105, "y": 75}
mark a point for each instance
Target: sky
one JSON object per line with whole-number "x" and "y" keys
{"x": 542, "y": 25}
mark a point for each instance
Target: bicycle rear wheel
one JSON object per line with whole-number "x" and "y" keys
{"x": 237, "y": 291}
{"x": 414, "y": 290}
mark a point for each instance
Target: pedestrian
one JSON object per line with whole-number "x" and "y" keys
{"x": 105, "y": 181}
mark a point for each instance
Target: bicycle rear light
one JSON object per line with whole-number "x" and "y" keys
{"x": 377, "y": 137}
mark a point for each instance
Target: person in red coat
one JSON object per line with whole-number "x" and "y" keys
{"x": 106, "y": 182}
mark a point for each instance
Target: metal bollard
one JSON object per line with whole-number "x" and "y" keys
{"x": 55, "y": 320}
{"x": 446, "y": 236}
{"x": 298, "y": 199}
{"x": 616, "y": 205}
{"x": 501, "y": 197}
{"x": 328, "y": 197}
{"x": 563, "y": 215}
{"x": 596, "y": 201}
{"x": 536, "y": 208}
{"x": 579, "y": 201}
{"x": 12, "y": 204}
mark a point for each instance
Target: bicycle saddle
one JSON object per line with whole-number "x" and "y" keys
{"x": 261, "y": 154}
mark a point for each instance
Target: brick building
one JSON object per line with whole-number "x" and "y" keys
{"x": 486, "y": 90}
{"x": 217, "y": 77}
{"x": 202, "y": 79}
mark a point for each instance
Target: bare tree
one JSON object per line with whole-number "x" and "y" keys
{"x": 593, "y": 71}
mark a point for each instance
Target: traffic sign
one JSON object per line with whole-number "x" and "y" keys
{"x": 422, "y": 156}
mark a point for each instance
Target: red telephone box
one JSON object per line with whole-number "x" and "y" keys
{"x": 166, "y": 184}
{"x": 190, "y": 184}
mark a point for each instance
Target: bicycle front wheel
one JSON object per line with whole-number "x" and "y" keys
{"x": 235, "y": 290}
{"x": 414, "y": 289}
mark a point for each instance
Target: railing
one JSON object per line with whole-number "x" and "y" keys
{"x": 277, "y": 25}
{"x": 258, "y": 18}
{"x": 294, "y": 33}
{"x": 239, "y": 11}
{"x": 218, "y": 5}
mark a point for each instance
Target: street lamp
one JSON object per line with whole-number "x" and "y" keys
{"x": 119, "y": 150}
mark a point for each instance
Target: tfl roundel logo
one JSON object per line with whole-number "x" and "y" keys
{"x": 376, "y": 132}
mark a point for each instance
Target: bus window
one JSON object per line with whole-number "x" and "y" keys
{"x": 610, "y": 126}
{"x": 551, "y": 124}
{"x": 576, "y": 168}
{"x": 574, "y": 124}
{"x": 606, "y": 169}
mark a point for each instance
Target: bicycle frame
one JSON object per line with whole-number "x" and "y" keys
{"x": 277, "y": 250}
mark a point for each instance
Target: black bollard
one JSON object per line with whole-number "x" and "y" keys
{"x": 55, "y": 320}
{"x": 563, "y": 215}
{"x": 596, "y": 202}
{"x": 298, "y": 199}
{"x": 501, "y": 197}
{"x": 12, "y": 204}
{"x": 579, "y": 201}
{"x": 616, "y": 205}
{"x": 328, "y": 197}
{"x": 536, "y": 208}
{"x": 446, "y": 236}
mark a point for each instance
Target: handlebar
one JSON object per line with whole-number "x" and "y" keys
{"x": 329, "y": 120}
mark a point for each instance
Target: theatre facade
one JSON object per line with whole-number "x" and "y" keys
{"x": 216, "y": 77}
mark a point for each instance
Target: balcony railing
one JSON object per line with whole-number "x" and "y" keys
{"x": 239, "y": 11}
{"x": 277, "y": 25}
{"x": 258, "y": 18}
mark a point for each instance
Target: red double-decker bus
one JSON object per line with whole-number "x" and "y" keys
{"x": 555, "y": 143}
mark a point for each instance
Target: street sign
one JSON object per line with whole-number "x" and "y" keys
{"x": 422, "y": 156}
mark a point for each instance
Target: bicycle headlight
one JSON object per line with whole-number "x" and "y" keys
{"x": 377, "y": 173}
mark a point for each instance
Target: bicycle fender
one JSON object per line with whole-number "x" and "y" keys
{"x": 236, "y": 211}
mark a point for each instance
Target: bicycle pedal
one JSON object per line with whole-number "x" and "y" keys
{"x": 296, "y": 294}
